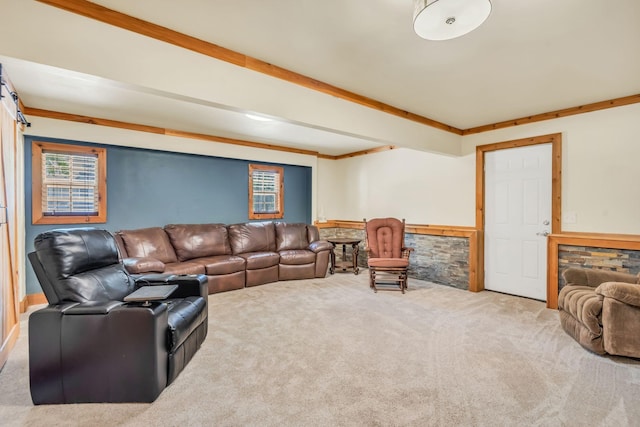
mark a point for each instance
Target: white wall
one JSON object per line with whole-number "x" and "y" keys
{"x": 600, "y": 182}
{"x": 423, "y": 188}
{"x": 331, "y": 175}
{"x": 600, "y": 171}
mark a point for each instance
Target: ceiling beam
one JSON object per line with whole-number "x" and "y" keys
{"x": 164, "y": 34}
{"x": 160, "y": 131}
{"x": 157, "y": 32}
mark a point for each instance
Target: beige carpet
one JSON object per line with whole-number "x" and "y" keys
{"x": 330, "y": 352}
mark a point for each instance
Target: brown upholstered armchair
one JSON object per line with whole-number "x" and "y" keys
{"x": 388, "y": 258}
{"x": 601, "y": 310}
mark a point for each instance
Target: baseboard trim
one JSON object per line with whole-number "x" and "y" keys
{"x": 8, "y": 344}
{"x": 32, "y": 299}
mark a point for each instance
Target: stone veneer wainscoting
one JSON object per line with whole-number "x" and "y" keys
{"x": 621, "y": 260}
{"x": 437, "y": 259}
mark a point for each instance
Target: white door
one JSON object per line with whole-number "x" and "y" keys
{"x": 517, "y": 220}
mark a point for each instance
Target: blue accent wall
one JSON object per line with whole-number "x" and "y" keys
{"x": 148, "y": 188}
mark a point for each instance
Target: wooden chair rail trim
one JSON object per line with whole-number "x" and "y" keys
{"x": 614, "y": 241}
{"x": 474, "y": 236}
{"x": 436, "y": 230}
{"x": 596, "y": 240}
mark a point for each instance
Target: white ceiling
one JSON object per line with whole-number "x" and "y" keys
{"x": 529, "y": 57}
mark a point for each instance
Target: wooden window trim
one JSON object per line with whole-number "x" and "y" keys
{"x": 268, "y": 168}
{"x": 38, "y": 217}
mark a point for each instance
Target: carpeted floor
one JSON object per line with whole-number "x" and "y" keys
{"x": 330, "y": 352}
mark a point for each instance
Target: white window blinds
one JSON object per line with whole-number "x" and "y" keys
{"x": 69, "y": 184}
{"x": 266, "y": 185}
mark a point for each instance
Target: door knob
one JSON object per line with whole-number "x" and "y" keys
{"x": 542, "y": 233}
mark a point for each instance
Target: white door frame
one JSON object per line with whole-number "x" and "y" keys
{"x": 556, "y": 194}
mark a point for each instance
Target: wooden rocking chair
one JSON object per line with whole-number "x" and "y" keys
{"x": 388, "y": 258}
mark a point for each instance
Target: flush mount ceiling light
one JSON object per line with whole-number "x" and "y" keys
{"x": 448, "y": 19}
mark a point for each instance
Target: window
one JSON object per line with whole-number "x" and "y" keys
{"x": 266, "y": 192}
{"x": 69, "y": 184}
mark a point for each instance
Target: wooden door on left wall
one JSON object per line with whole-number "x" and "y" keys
{"x": 9, "y": 320}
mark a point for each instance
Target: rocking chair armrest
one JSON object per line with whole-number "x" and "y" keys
{"x": 406, "y": 252}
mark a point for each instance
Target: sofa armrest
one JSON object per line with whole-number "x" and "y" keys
{"x": 77, "y": 353}
{"x": 189, "y": 285}
{"x": 627, "y": 293}
{"x": 93, "y": 307}
{"x": 143, "y": 265}
{"x": 319, "y": 246}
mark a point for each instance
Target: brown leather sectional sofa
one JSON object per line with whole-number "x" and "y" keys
{"x": 232, "y": 256}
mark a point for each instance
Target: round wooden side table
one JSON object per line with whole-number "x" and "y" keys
{"x": 344, "y": 264}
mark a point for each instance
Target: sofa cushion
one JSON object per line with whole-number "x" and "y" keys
{"x": 297, "y": 257}
{"x": 258, "y": 260}
{"x": 252, "y": 237}
{"x": 148, "y": 243}
{"x": 291, "y": 236}
{"x": 143, "y": 265}
{"x": 198, "y": 240}
{"x": 222, "y": 264}
{"x": 185, "y": 267}
{"x": 388, "y": 262}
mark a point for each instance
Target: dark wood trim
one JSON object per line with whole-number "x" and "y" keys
{"x": 556, "y": 191}
{"x": 164, "y": 34}
{"x": 433, "y": 230}
{"x": 611, "y": 103}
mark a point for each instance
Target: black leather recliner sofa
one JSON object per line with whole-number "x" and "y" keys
{"x": 88, "y": 345}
